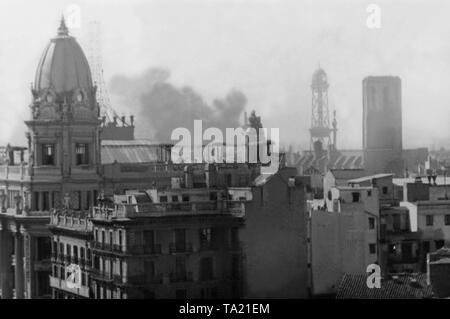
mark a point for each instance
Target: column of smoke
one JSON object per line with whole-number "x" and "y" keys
{"x": 161, "y": 107}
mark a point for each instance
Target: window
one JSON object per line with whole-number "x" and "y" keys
{"x": 82, "y": 156}
{"x": 45, "y": 201}
{"x": 392, "y": 249}
{"x": 148, "y": 239}
{"x": 407, "y": 252}
{"x": 447, "y": 220}
{"x": 43, "y": 248}
{"x": 385, "y": 190}
{"x": 88, "y": 200}
{"x": 48, "y": 154}
{"x": 355, "y": 197}
{"x": 68, "y": 250}
{"x": 213, "y": 196}
{"x": 36, "y": 201}
{"x": 371, "y": 223}
{"x": 180, "y": 239}
{"x": 372, "y": 249}
{"x": 75, "y": 254}
{"x": 396, "y": 222}
{"x": 185, "y": 198}
{"x": 206, "y": 238}
{"x": 205, "y": 235}
{"x": 163, "y": 199}
{"x": 175, "y": 198}
{"x": 120, "y": 238}
{"x": 206, "y": 268}
{"x": 369, "y": 193}
{"x": 430, "y": 220}
{"x": 149, "y": 270}
{"x": 180, "y": 268}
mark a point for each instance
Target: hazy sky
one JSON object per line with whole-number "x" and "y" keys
{"x": 267, "y": 49}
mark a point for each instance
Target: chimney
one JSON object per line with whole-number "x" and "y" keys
{"x": 131, "y": 120}
{"x": 123, "y": 121}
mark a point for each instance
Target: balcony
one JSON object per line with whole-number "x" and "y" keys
{"x": 180, "y": 248}
{"x": 216, "y": 207}
{"x": 130, "y": 249}
{"x": 14, "y": 172}
{"x": 181, "y": 277}
{"x": 62, "y": 284}
{"x": 145, "y": 279}
{"x": 101, "y": 275}
{"x": 138, "y": 280}
{"x": 78, "y": 221}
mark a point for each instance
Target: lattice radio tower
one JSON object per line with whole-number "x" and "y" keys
{"x": 95, "y": 62}
{"x": 320, "y": 130}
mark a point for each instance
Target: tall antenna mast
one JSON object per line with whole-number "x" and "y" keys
{"x": 95, "y": 62}
{"x": 320, "y": 130}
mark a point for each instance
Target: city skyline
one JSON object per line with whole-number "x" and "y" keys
{"x": 150, "y": 28}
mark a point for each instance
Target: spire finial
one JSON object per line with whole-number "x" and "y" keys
{"x": 62, "y": 30}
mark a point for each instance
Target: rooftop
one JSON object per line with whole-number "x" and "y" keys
{"x": 440, "y": 180}
{"x": 398, "y": 286}
{"x": 346, "y": 174}
{"x": 133, "y": 151}
{"x": 369, "y": 178}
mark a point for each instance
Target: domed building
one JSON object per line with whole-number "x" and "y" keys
{"x": 63, "y": 83}
{"x": 52, "y": 191}
{"x": 62, "y": 166}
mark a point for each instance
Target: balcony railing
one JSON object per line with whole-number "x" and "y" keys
{"x": 180, "y": 248}
{"x": 145, "y": 279}
{"x": 233, "y": 208}
{"x": 130, "y": 249}
{"x": 101, "y": 275}
{"x": 14, "y": 172}
{"x": 80, "y": 222}
{"x": 181, "y": 277}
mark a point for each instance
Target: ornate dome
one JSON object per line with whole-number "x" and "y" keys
{"x": 63, "y": 67}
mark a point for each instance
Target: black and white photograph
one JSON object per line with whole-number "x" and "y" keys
{"x": 198, "y": 151}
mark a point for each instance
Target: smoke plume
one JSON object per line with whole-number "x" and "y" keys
{"x": 161, "y": 107}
